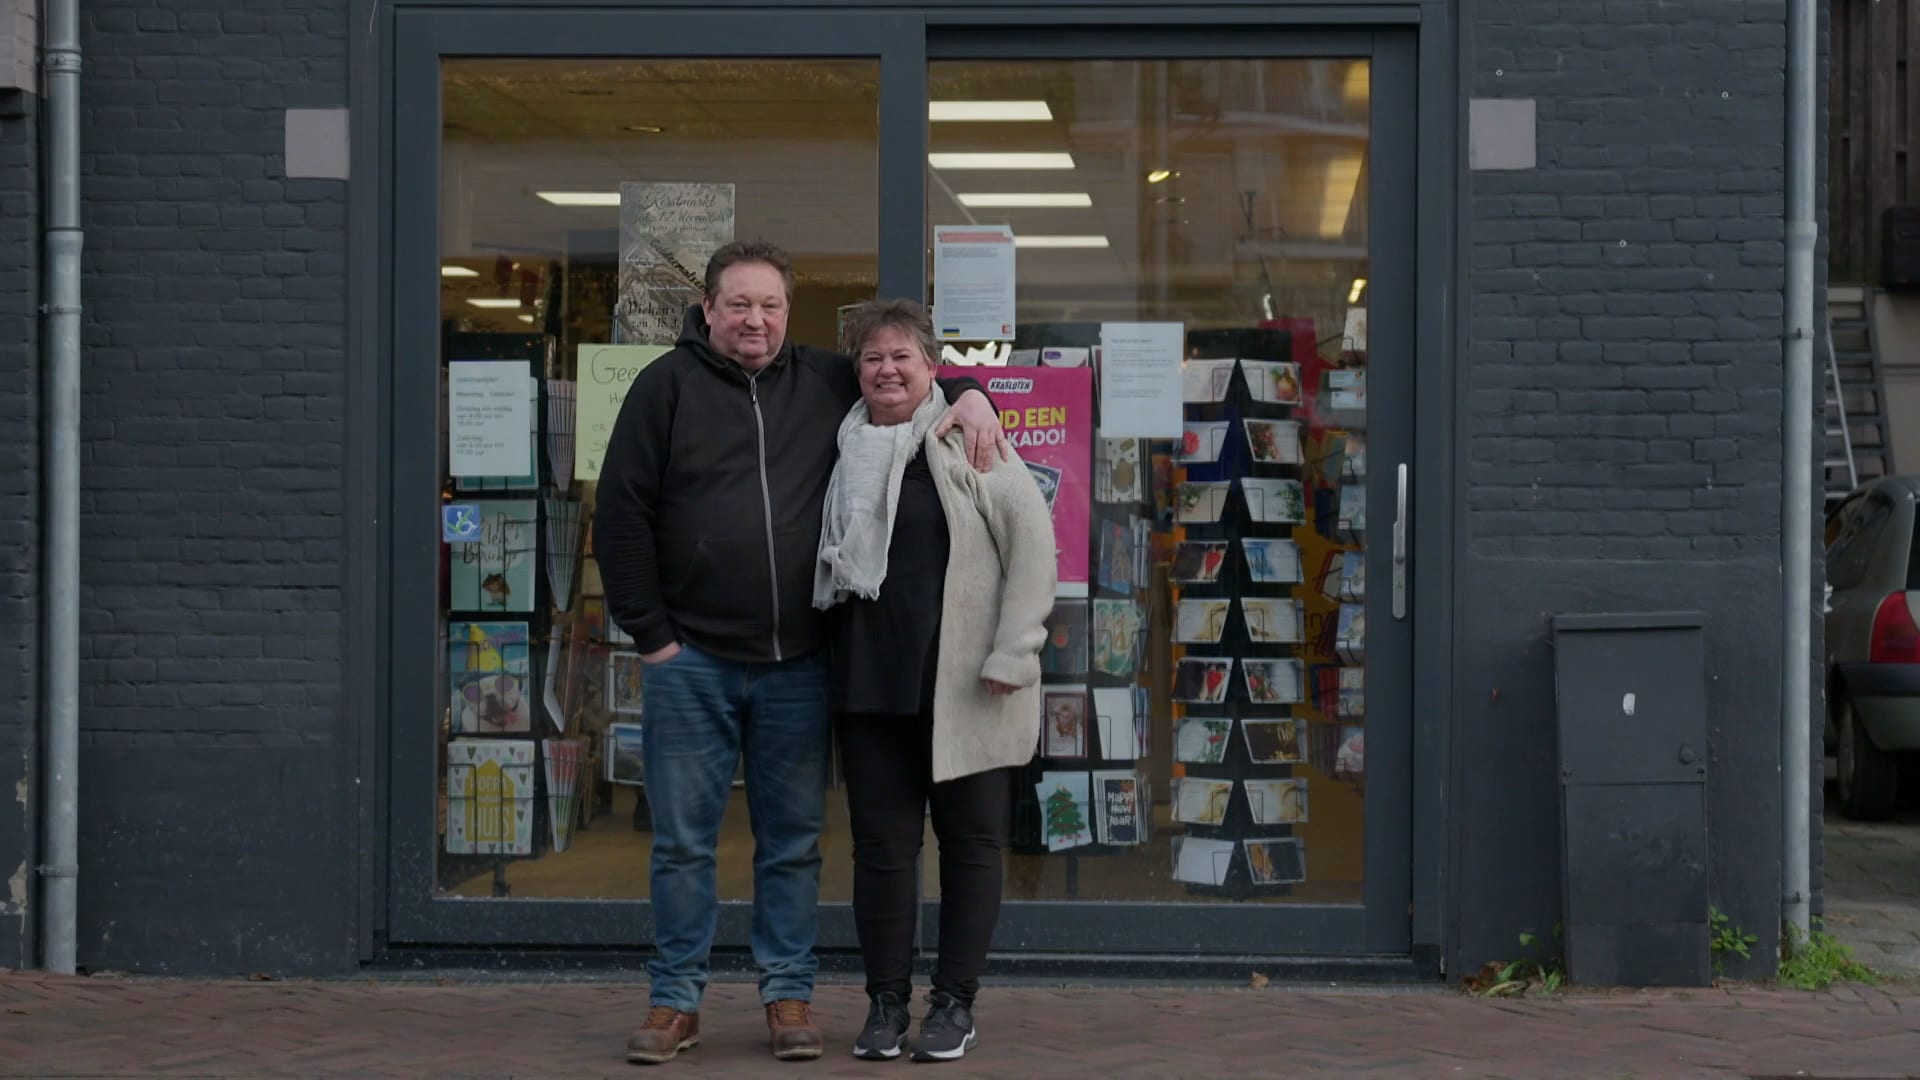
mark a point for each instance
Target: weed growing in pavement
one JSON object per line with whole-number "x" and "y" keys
{"x": 1819, "y": 961}
{"x": 1728, "y": 938}
{"x": 1518, "y": 977}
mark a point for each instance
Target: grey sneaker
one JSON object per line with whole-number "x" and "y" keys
{"x": 885, "y": 1035}
{"x": 947, "y": 1033}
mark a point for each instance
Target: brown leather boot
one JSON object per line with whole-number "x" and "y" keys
{"x": 664, "y": 1034}
{"x": 790, "y": 1026}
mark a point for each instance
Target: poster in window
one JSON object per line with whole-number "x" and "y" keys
{"x": 667, "y": 234}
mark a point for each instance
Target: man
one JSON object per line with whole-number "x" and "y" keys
{"x": 706, "y": 531}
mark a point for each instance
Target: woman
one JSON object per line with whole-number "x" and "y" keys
{"x": 943, "y": 578}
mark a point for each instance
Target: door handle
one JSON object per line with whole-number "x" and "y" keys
{"x": 1400, "y": 545}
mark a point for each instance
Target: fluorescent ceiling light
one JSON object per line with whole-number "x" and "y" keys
{"x": 1000, "y": 161}
{"x": 1059, "y": 241}
{"x": 525, "y": 318}
{"x": 581, "y": 198}
{"x": 1158, "y": 175}
{"x": 1359, "y": 286}
{"x": 458, "y": 271}
{"x": 505, "y": 302}
{"x": 1042, "y": 200}
{"x": 988, "y": 110}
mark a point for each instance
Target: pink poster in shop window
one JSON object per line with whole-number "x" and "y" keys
{"x": 1048, "y": 416}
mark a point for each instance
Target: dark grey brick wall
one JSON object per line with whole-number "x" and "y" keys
{"x": 1622, "y": 436}
{"x": 19, "y": 465}
{"x": 213, "y": 753}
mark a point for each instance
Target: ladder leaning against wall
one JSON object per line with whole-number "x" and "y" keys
{"x": 1857, "y": 449}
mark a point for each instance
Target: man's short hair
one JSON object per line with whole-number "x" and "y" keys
{"x": 906, "y": 316}
{"x": 749, "y": 251}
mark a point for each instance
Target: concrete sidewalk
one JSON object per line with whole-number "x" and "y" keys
{"x": 1872, "y": 872}
{"x": 59, "y": 1027}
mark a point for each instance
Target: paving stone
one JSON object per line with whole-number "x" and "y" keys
{"x": 59, "y": 1027}
{"x": 1872, "y": 886}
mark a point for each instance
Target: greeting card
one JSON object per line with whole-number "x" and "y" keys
{"x": 1274, "y": 741}
{"x": 1274, "y": 442}
{"x": 1279, "y": 861}
{"x": 1201, "y": 502}
{"x": 1066, "y": 805}
{"x": 1202, "y": 621}
{"x": 1275, "y": 500}
{"x": 1198, "y": 561}
{"x": 1064, "y": 722}
{"x": 1277, "y": 802}
{"x": 489, "y": 667}
{"x": 1202, "y": 680}
{"x": 1271, "y": 560}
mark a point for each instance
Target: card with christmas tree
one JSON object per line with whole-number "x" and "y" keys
{"x": 1066, "y": 801}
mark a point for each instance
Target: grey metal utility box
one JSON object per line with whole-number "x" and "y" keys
{"x": 1632, "y": 718}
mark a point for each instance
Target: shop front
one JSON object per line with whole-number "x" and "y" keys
{"x": 1198, "y": 255}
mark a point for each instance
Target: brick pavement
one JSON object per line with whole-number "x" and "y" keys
{"x": 1873, "y": 889}
{"x": 62, "y": 1027}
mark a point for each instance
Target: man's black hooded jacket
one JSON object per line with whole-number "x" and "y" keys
{"x": 707, "y": 517}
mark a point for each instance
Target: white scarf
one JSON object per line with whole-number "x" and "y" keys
{"x": 862, "y": 497}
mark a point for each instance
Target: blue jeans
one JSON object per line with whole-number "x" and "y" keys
{"x": 703, "y": 713}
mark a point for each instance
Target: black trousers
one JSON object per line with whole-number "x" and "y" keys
{"x": 888, "y": 762}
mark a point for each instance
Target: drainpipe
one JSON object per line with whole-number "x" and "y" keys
{"x": 60, "y": 56}
{"x": 1796, "y": 517}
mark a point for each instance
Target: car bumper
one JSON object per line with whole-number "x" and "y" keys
{"x": 1886, "y": 700}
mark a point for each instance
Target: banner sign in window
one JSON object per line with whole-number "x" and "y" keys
{"x": 1048, "y": 417}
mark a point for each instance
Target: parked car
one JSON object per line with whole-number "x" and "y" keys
{"x": 1873, "y": 642}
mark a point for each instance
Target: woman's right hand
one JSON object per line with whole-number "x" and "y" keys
{"x": 660, "y": 655}
{"x": 998, "y": 689}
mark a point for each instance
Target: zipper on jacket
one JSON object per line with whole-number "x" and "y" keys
{"x": 766, "y": 503}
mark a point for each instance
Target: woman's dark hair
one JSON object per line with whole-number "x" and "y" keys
{"x": 874, "y": 316}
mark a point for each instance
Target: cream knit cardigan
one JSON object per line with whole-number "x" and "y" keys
{"x": 996, "y": 599}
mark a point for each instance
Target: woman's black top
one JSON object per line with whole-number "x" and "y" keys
{"x": 885, "y": 649}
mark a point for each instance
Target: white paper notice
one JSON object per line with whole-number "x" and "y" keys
{"x": 489, "y": 418}
{"x": 1140, "y": 388}
{"x": 605, "y": 374}
{"x": 973, "y": 282}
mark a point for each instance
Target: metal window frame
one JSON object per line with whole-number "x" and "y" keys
{"x": 395, "y": 64}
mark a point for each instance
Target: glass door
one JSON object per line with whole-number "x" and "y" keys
{"x": 1226, "y": 721}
